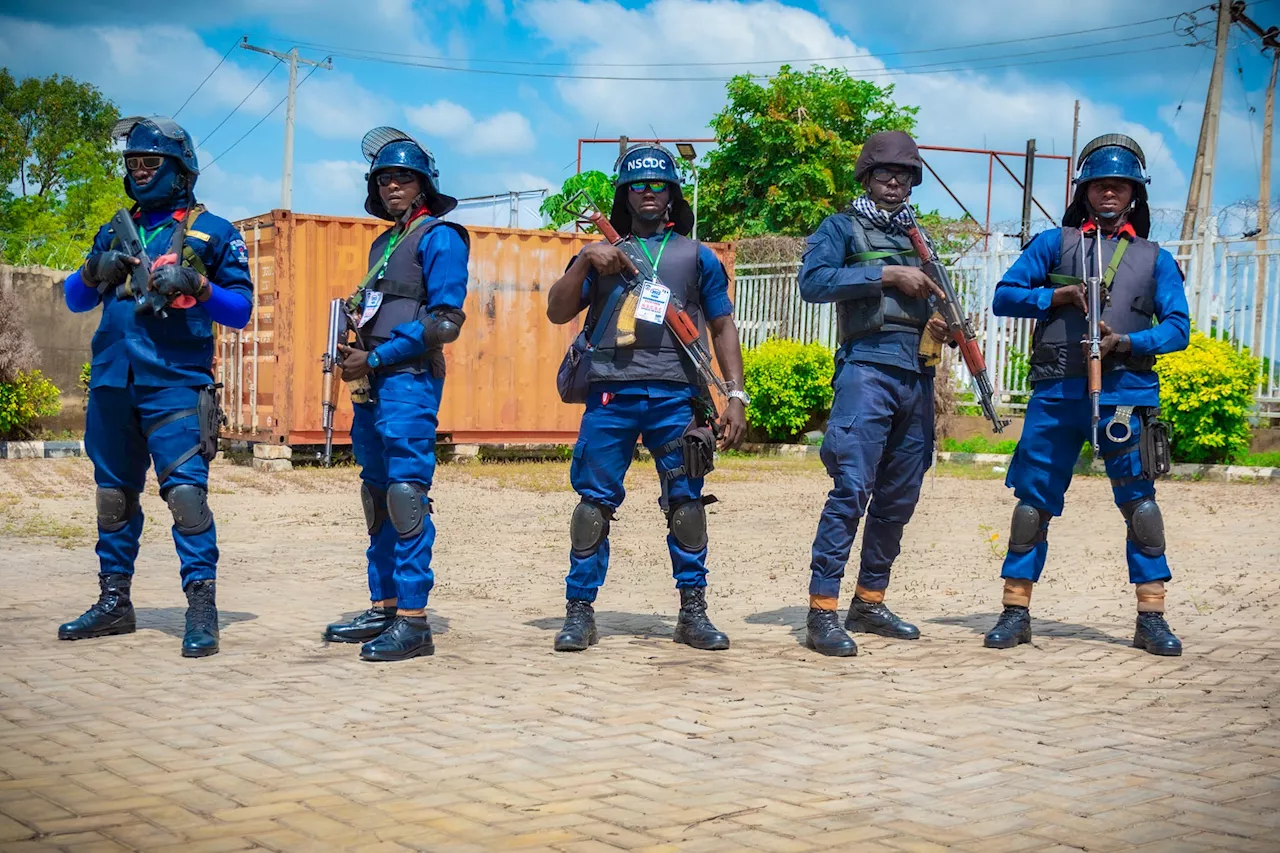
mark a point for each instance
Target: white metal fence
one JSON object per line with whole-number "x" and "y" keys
{"x": 1222, "y": 291}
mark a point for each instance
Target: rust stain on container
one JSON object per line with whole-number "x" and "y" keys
{"x": 500, "y": 383}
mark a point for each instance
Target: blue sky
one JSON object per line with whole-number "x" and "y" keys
{"x": 492, "y": 133}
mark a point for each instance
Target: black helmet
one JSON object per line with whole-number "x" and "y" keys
{"x": 889, "y": 148}
{"x": 647, "y": 162}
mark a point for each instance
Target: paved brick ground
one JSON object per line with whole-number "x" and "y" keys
{"x": 1078, "y": 742}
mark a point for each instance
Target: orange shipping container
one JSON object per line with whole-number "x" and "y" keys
{"x": 501, "y": 372}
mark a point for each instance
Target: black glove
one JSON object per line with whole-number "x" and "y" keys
{"x": 173, "y": 280}
{"x": 109, "y": 268}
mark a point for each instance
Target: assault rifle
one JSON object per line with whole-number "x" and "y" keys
{"x": 337, "y": 335}
{"x": 677, "y": 319}
{"x": 958, "y": 324}
{"x": 146, "y": 299}
{"x": 1093, "y": 295}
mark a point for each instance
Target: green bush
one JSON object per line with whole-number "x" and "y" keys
{"x": 83, "y": 381}
{"x": 29, "y": 397}
{"x": 1206, "y": 395}
{"x": 788, "y": 382}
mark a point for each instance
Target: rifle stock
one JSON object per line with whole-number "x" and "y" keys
{"x": 1093, "y": 295}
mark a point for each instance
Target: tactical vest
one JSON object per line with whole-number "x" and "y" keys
{"x": 403, "y": 289}
{"x": 1128, "y": 306}
{"x": 656, "y": 354}
{"x": 892, "y": 311}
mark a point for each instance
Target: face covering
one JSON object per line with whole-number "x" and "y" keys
{"x": 166, "y": 190}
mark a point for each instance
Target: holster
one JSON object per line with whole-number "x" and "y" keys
{"x": 698, "y": 444}
{"x": 1153, "y": 445}
{"x": 210, "y": 417}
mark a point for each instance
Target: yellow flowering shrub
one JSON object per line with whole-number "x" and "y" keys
{"x": 28, "y": 397}
{"x": 1206, "y": 395}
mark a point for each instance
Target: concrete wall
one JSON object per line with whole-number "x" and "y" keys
{"x": 63, "y": 337}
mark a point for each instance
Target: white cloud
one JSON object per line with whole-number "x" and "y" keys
{"x": 233, "y": 195}
{"x": 506, "y": 132}
{"x": 520, "y": 181}
{"x": 333, "y": 105}
{"x": 341, "y": 180}
{"x": 966, "y": 109}
{"x": 443, "y": 118}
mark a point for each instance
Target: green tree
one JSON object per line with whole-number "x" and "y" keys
{"x": 56, "y": 148}
{"x": 785, "y": 151}
{"x": 598, "y": 187}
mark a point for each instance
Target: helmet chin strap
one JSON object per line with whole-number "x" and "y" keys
{"x": 1114, "y": 220}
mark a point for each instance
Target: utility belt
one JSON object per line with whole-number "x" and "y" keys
{"x": 1153, "y": 442}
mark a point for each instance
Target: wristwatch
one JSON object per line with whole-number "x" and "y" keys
{"x": 1124, "y": 344}
{"x": 741, "y": 395}
{"x": 374, "y": 361}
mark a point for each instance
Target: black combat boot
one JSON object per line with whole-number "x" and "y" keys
{"x": 112, "y": 614}
{"x": 363, "y": 628}
{"x": 201, "y": 638}
{"x": 1154, "y": 636}
{"x": 867, "y": 617}
{"x": 408, "y": 637}
{"x": 693, "y": 628}
{"x": 579, "y": 630}
{"x": 825, "y": 635}
{"x": 1012, "y": 628}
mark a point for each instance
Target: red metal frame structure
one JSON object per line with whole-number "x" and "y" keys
{"x": 992, "y": 156}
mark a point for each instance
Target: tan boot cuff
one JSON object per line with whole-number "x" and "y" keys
{"x": 870, "y": 596}
{"x": 1150, "y": 597}
{"x": 824, "y": 602}
{"x": 1017, "y": 592}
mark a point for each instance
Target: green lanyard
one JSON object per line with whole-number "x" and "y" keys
{"x": 662, "y": 248}
{"x": 146, "y": 237}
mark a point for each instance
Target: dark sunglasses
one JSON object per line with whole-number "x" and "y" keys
{"x": 651, "y": 186}
{"x": 400, "y": 176}
{"x": 902, "y": 177}
{"x": 148, "y": 162}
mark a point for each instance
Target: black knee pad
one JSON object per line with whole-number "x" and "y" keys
{"x": 1146, "y": 525}
{"x": 1029, "y": 528}
{"x": 588, "y": 527}
{"x": 374, "y": 502}
{"x": 688, "y": 525}
{"x": 190, "y": 507}
{"x": 115, "y": 508}
{"x": 407, "y": 507}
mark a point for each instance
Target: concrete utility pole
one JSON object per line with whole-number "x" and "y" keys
{"x": 286, "y": 181}
{"x": 1270, "y": 41}
{"x": 1200, "y": 193}
{"x": 1075, "y": 138}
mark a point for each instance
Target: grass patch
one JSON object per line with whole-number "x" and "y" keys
{"x": 64, "y": 534}
{"x": 539, "y": 477}
{"x": 1270, "y": 459}
{"x": 967, "y": 472}
{"x": 979, "y": 444}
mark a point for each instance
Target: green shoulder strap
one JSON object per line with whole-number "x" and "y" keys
{"x": 1107, "y": 277}
{"x": 863, "y": 257}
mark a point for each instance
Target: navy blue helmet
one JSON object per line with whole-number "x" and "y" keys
{"x": 1112, "y": 155}
{"x": 157, "y": 135}
{"x": 648, "y": 162}
{"x": 388, "y": 148}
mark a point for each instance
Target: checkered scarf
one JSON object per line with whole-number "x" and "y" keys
{"x": 898, "y": 223}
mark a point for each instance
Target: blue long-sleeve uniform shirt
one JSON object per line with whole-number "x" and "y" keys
{"x": 825, "y": 278}
{"x": 1025, "y": 291}
{"x": 713, "y": 284}
{"x": 444, "y": 257}
{"x": 176, "y": 350}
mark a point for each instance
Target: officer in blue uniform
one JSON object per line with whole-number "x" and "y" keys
{"x": 645, "y": 388}
{"x": 879, "y": 437}
{"x": 408, "y": 307}
{"x": 150, "y": 396}
{"x": 1142, "y": 284}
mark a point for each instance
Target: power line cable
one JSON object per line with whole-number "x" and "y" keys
{"x": 205, "y": 139}
{"x": 279, "y": 103}
{"x": 862, "y": 73}
{"x": 561, "y": 63}
{"x": 206, "y": 78}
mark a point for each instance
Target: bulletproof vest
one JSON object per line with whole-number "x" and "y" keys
{"x": 403, "y": 288}
{"x": 656, "y": 353}
{"x": 892, "y": 311}
{"x": 1128, "y": 306}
